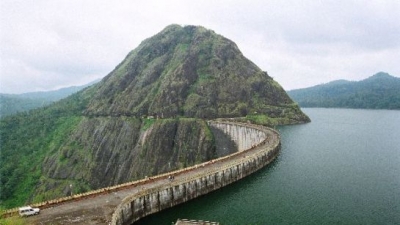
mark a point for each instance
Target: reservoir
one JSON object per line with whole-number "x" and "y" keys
{"x": 342, "y": 168}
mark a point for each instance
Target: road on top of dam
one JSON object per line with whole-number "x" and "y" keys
{"x": 99, "y": 209}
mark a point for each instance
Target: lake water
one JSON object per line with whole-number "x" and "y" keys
{"x": 342, "y": 168}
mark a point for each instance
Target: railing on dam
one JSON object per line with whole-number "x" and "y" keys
{"x": 262, "y": 144}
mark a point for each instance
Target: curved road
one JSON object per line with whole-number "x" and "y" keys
{"x": 99, "y": 209}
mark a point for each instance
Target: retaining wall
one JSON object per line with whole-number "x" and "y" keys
{"x": 258, "y": 146}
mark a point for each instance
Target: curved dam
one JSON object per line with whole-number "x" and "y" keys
{"x": 129, "y": 202}
{"x": 257, "y": 147}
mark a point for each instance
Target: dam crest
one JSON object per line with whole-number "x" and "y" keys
{"x": 129, "y": 202}
{"x": 257, "y": 146}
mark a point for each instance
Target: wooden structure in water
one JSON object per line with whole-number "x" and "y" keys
{"x": 194, "y": 222}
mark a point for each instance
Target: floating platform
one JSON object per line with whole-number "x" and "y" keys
{"x": 194, "y": 222}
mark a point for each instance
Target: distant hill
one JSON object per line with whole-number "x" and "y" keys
{"x": 380, "y": 91}
{"x": 14, "y": 103}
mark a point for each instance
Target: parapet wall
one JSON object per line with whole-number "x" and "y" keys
{"x": 258, "y": 146}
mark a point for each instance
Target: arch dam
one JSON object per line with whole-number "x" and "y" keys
{"x": 127, "y": 203}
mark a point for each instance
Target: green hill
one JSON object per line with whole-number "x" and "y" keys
{"x": 380, "y": 91}
{"x": 144, "y": 118}
{"x": 190, "y": 72}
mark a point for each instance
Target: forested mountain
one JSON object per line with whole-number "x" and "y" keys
{"x": 14, "y": 103}
{"x": 144, "y": 118}
{"x": 380, "y": 91}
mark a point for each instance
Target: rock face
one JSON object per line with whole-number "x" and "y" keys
{"x": 144, "y": 118}
{"x": 219, "y": 173}
{"x": 102, "y": 152}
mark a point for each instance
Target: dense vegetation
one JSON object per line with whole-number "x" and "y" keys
{"x": 10, "y": 104}
{"x": 11, "y": 220}
{"x": 25, "y": 139}
{"x": 144, "y": 118}
{"x": 380, "y": 91}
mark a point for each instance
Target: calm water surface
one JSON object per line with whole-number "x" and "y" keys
{"x": 342, "y": 168}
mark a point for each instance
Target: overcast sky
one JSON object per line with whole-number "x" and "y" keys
{"x": 46, "y": 45}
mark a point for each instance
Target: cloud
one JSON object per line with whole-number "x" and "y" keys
{"x": 50, "y": 44}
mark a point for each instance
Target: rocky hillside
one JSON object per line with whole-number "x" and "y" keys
{"x": 192, "y": 72}
{"x": 107, "y": 151}
{"x": 144, "y": 118}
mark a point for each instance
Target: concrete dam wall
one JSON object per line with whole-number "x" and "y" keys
{"x": 257, "y": 147}
{"x": 244, "y": 137}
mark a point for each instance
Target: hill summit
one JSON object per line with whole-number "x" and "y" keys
{"x": 188, "y": 71}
